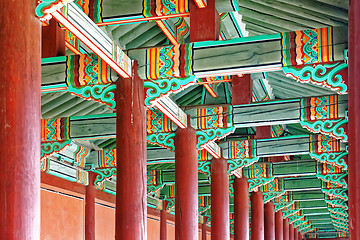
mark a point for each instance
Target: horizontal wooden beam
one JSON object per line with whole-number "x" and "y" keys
{"x": 290, "y": 145}
{"x": 238, "y": 56}
{"x": 79, "y": 24}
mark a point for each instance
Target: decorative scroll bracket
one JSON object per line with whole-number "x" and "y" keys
{"x": 332, "y": 75}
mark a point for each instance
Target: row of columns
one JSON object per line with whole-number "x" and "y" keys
{"x": 20, "y": 144}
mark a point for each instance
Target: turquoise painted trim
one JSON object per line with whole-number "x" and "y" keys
{"x": 93, "y": 116}
{"x": 169, "y": 28}
{"x": 346, "y": 56}
{"x": 108, "y": 191}
{"x": 82, "y": 50}
{"x": 123, "y": 18}
{"x": 236, "y": 5}
{"x": 234, "y": 19}
{"x": 333, "y": 127}
{"x": 237, "y": 40}
{"x": 53, "y": 59}
{"x": 270, "y": 102}
{"x": 203, "y": 96}
{"x": 55, "y": 86}
{"x": 67, "y": 159}
{"x": 281, "y": 138}
{"x": 94, "y": 137}
{"x": 228, "y": 94}
{"x": 161, "y": 161}
{"x": 56, "y": 174}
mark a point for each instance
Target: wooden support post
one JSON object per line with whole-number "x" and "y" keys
{"x": 257, "y": 216}
{"x": 205, "y": 26}
{"x": 241, "y": 89}
{"x": 279, "y": 231}
{"x": 354, "y": 120}
{"x": 131, "y": 158}
{"x": 52, "y": 40}
{"x": 263, "y": 132}
{"x": 286, "y": 229}
{"x": 204, "y": 22}
{"x": 241, "y": 94}
{"x": 241, "y": 208}
{"x": 204, "y": 229}
{"x": 20, "y": 73}
{"x": 163, "y": 224}
{"x": 296, "y": 235}
{"x": 186, "y": 184}
{"x": 90, "y": 208}
{"x": 299, "y": 236}
{"x": 291, "y": 231}
{"x": 269, "y": 224}
{"x": 220, "y": 225}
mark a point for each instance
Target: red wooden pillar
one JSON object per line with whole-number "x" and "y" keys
{"x": 296, "y": 234}
{"x": 354, "y": 120}
{"x": 220, "y": 225}
{"x": 241, "y": 208}
{"x": 90, "y": 208}
{"x": 204, "y": 229}
{"x": 20, "y": 72}
{"x": 279, "y": 231}
{"x": 131, "y": 158}
{"x": 269, "y": 224}
{"x": 286, "y": 229}
{"x": 299, "y": 236}
{"x": 163, "y": 225}
{"x": 257, "y": 216}
{"x": 241, "y": 89}
{"x": 291, "y": 231}
{"x": 186, "y": 184}
{"x": 263, "y": 132}
{"x": 241, "y": 94}
{"x": 204, "y": 22}
{"x": 53, "y": 40}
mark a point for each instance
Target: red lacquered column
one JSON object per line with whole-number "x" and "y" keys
{"x": 241, "y": 89}
{"x": 204, "y": 229}
{"x": 131, "y": 158}
{"x": 241, "y": 94}
{"x": 286, "y": 229}
{"x": 257, "y": 216}
{"x": 20, "y": 72}
{"x": 354, "y": 120}
{"x": 205, "y": 22}
{"x": 163, "y": 226}
{"x": 269, "y": 223}
{"x": 220, "y": 225}
{"x": 90, "y": 208}
{"x": 299, "y": 236}
{"x": 241, "y": 208}
{"x": 296, "y": 234}
{"x": 279, "y": 230}
{"x": 291, "y": 232}
{"x": 53, "y": 40}
{"x": 186, "y": 184}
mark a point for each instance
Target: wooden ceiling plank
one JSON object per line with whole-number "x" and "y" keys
{"x": 296, "y": 10}
{"x": 260, "y": 16}
{"x": 281, "y": 14}
{"x": 321, "y": 8}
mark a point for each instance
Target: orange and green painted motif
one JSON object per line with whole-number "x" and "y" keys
{"x": 154, "y": 8}
{"x": 307, "y": 46}
{"x": 170, "y": 61}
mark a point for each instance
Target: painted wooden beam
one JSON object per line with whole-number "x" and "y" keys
{"x": 290, "y": 145}
{"x": 244, "y": 55}
{"x": 77, "y": 22}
